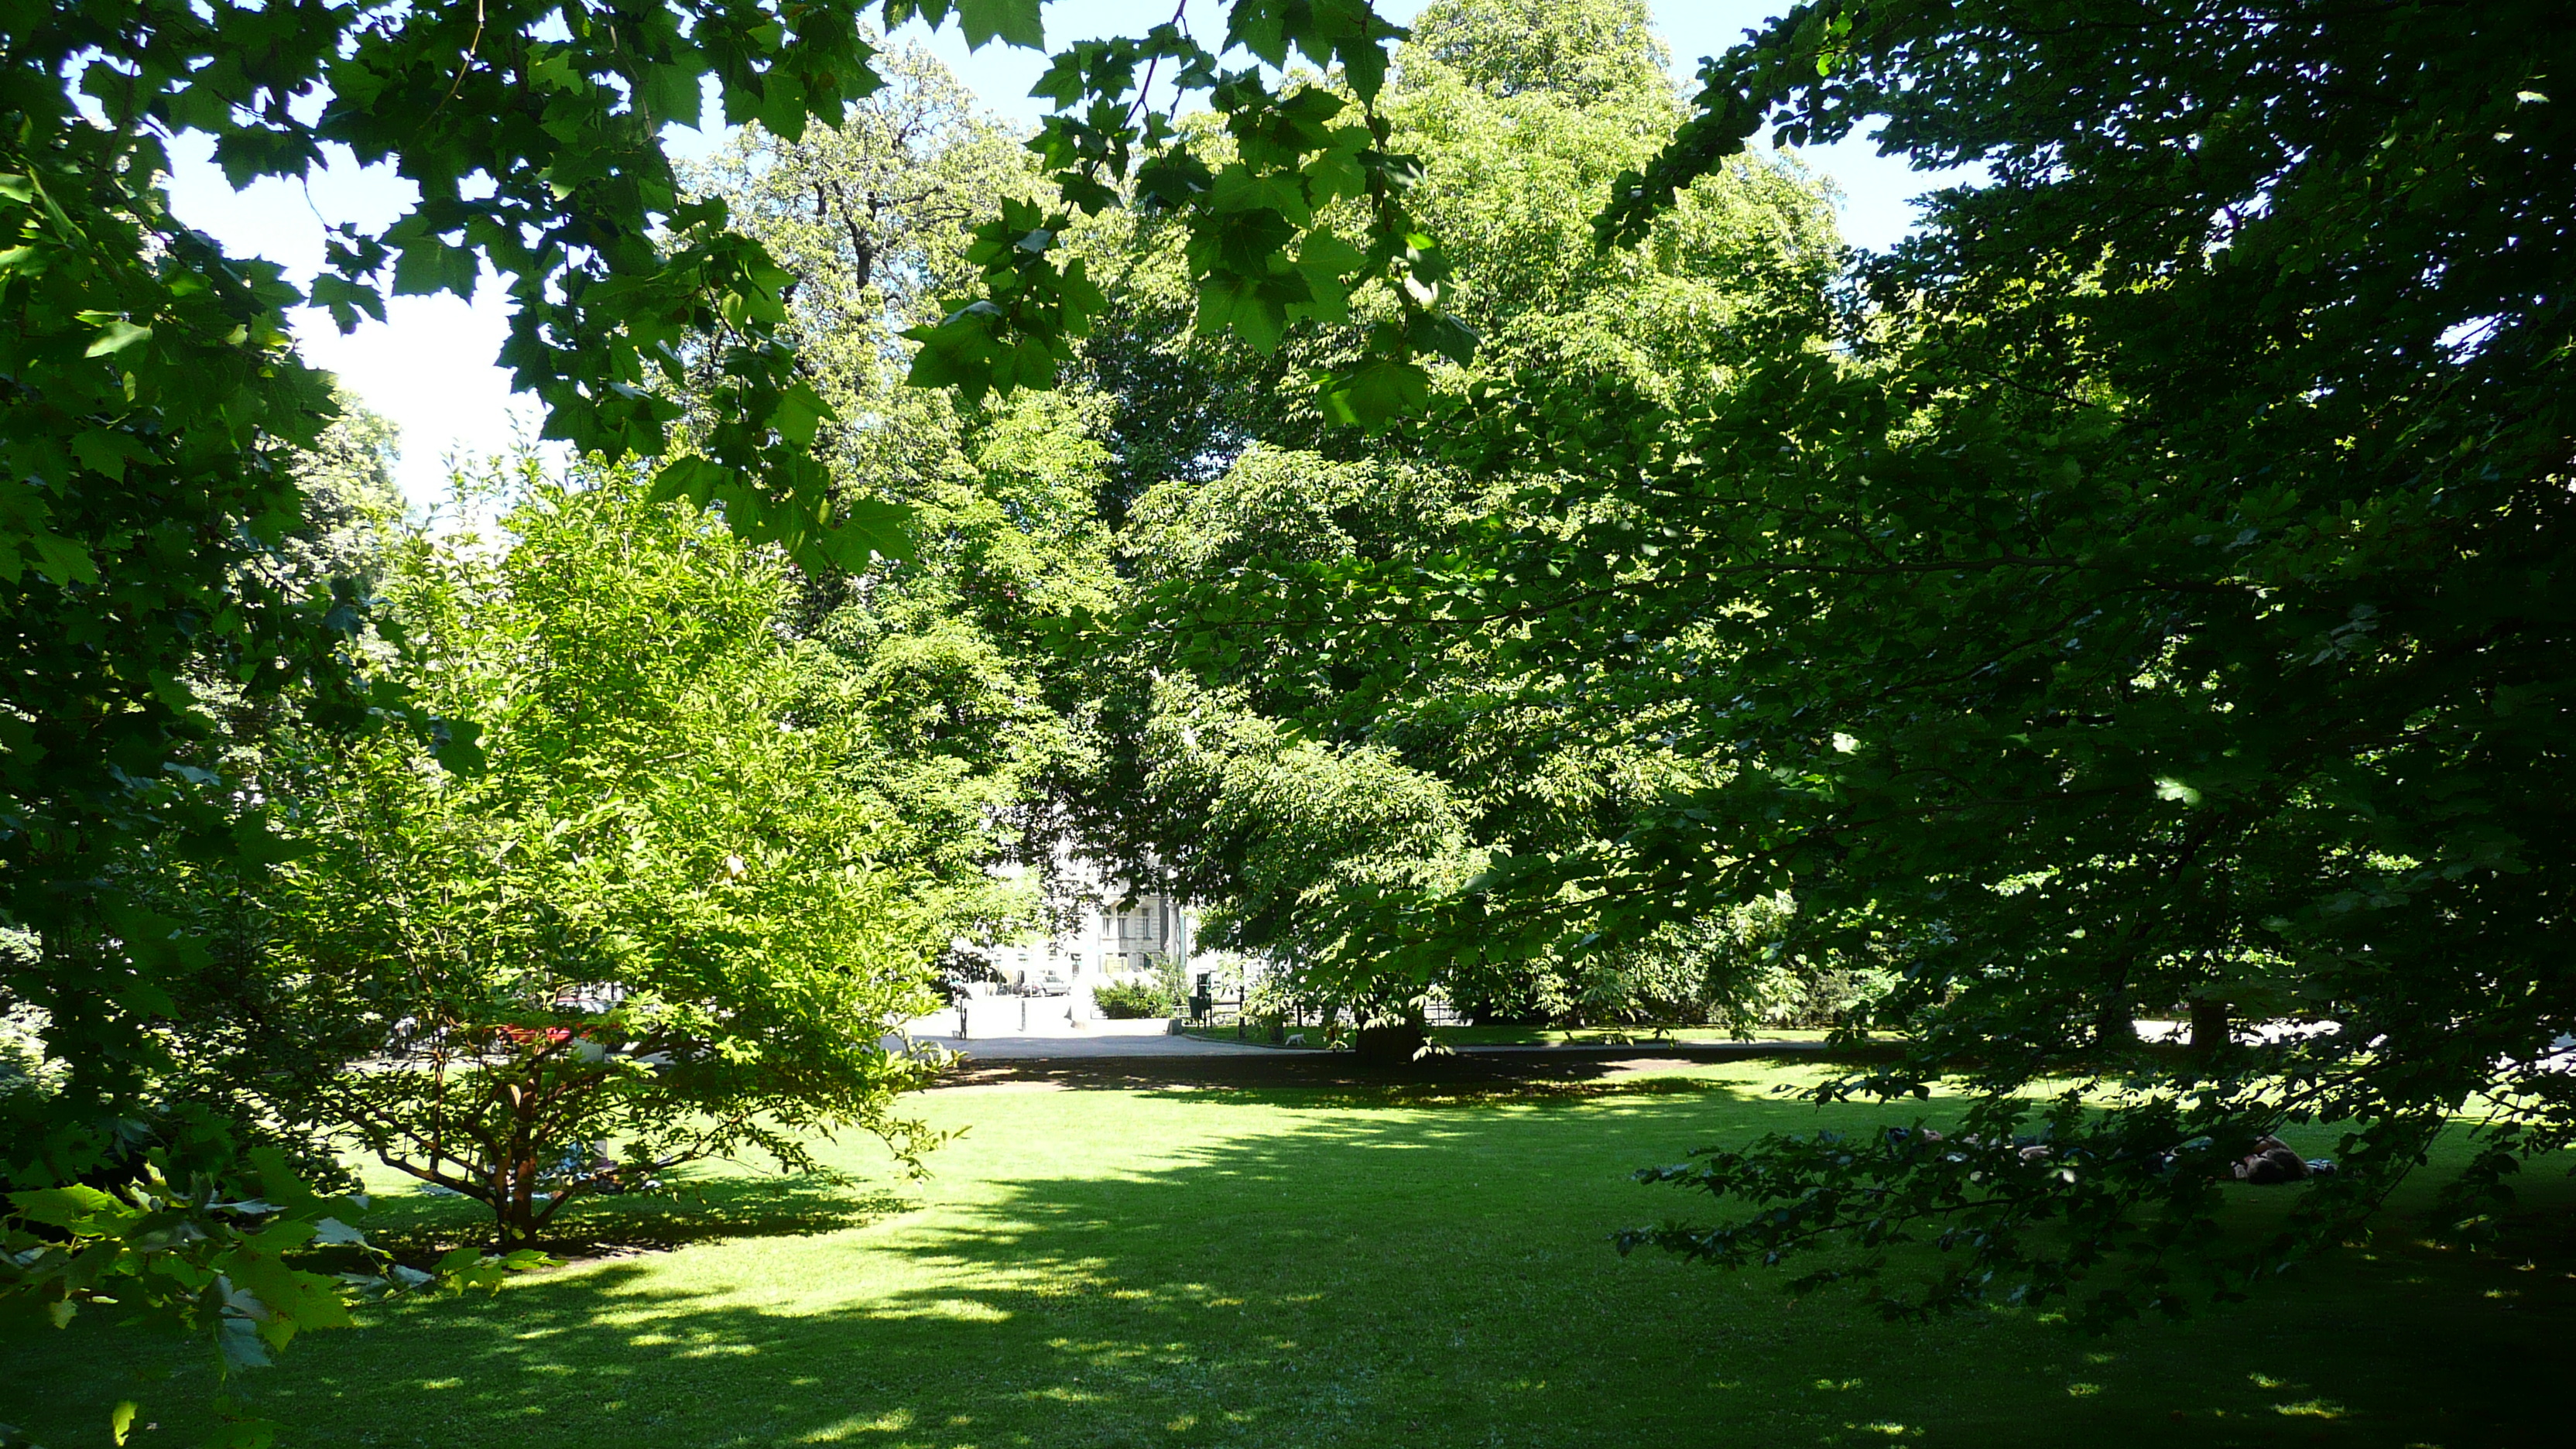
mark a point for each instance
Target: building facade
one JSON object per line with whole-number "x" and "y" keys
{"x": 1102, "y": 929}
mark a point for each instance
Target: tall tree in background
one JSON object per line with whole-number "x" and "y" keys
{"x": 1199, "y": 781}
{"x": 950, "y": 651}
{"x": 2153, "y": 599}
{"x": 1515, "y": 137}
{"x": 1589, "y": 52}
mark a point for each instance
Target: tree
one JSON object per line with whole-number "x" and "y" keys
{"x": 209, "y": 1041}
{"x": 667, "y": 919}
{"x": 2158, "y": 606}
{"x": 949, "y": 654}
{"x": 1583, "y": 53}
{"x": 1512, "y": 175}
{"x": 155, "y": 397}
{"x": 1513, "y": 159}
{"x": 182, "y": 1188}
{"x": 155, "y": 406}
{"x": 154, "y": 416}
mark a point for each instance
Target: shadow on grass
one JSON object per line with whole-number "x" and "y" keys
{"x": 1323, "y": 1070}
{"x": 417, "y": 1227}
{"x": 1372, "y": 1275}
{"x": 1470, "y": 1093}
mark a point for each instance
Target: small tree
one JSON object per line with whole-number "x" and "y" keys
{"x": 663, "y": 923}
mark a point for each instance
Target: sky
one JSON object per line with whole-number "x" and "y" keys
{"x": 428, "y": 366}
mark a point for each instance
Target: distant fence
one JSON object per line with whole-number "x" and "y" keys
{"x": 1211, "y": 1005}
{"x": 989, "y": 1016}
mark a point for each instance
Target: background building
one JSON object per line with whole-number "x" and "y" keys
{"x": 1101, "y": 929}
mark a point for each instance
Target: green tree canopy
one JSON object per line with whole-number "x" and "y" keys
{"x": 669, "y": 917}
{"x": 154, "y": 403}
{"x": 1586, "y": 51}
{"x": 2149, "y": 598}
{"x": 951, "y": 651}
{"x": 154, "y": 407}
{"x": 1512, "y": 180}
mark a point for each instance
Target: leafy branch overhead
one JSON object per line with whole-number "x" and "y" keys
{"x": 1262, "y": 251}
{"x": 533, "y": 133}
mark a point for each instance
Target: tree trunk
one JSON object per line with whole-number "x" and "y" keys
{"x": 518, "y": 1204}
{"x": 514, "y": 1203}
{"x": 2115, "y": 1023}
{"x": 2209, "y": 1025}
{"x": 2115, "y": 1015}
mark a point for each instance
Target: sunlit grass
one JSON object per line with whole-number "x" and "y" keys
{"x": 1462, "y": 1036}
{"x": 1615, "y": 1035}
{"x": 1288, "y": 1268}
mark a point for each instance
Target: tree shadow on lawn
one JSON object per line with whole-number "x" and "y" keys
{"x": 1293, "y": 1069}
{"x": 1394, "y": 1276}
{"x": 417, "y": 1227}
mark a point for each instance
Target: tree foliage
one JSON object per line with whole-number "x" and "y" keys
{"x": 1262, "y": 249}
{"x": 155, "y": 407}
{"x": 1512, "y": 168}
{"x": 2147, "y": 597}
{"x": 951, "y": 652}
{"x": 1585, "y": 52}
{"x": 188, "y": 1253}
{"x": 1247, "y": 789}
{"x": 668, "y": 918}
{"x": 174, "y": 599}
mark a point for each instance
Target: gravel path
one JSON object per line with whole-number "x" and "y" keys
{"x": 1146, "y": 1039}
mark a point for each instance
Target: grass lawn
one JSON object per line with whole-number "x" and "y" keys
{"x": 1459, "y": 1036}
{"x": 1314, "y": 1267}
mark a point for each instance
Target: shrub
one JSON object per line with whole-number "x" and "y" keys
{"x": 1134, "y": 1000}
